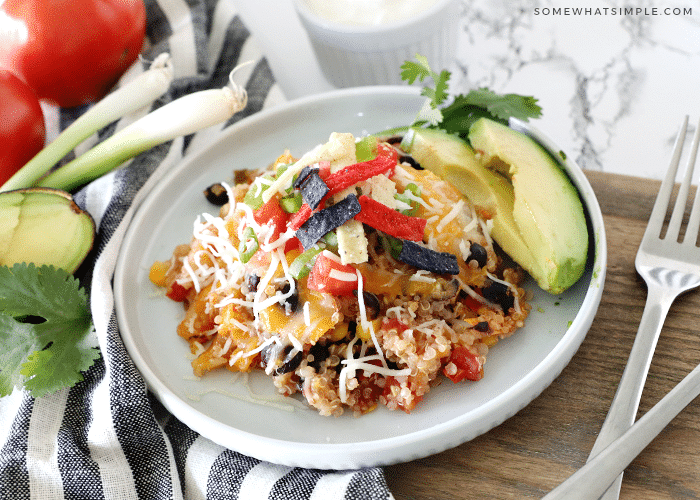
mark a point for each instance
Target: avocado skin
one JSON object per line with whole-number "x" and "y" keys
{"x": 538, "y": 218}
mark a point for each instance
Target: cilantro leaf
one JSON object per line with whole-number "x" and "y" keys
{"x": 501, "y": 106}
{"x": 45, "y": 330}
{"x": 421, "y": 70}
{"x": 457, "y": 117}
{"x": 416, "y": 70}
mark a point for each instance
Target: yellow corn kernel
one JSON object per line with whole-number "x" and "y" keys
{"x": 365, "y": 334}
{"x": 490, "y": 341}
{"x": 419, "y": 287}
{"x": 158, "y": 272}
{"x": 339, "y": 332}
{"x": 243, "y": 363}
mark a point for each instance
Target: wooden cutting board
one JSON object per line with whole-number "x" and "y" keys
{"x": 542, "y": 445}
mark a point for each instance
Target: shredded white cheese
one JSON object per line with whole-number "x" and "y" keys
{"x": 366, "y": 324}
{"x": 342, "y": 275}
{"x": 307, "y": 314}
{"x": 422, "y": 275}
{"x": 450, "y": 215}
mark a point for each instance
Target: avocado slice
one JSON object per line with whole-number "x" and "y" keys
{"x": 44, "y": 226}
{"x": 538, "y": 218}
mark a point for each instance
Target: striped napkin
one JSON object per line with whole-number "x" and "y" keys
{"x": 108, "y": 437}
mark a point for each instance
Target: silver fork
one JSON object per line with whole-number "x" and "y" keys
{"x": 669, "y": 266}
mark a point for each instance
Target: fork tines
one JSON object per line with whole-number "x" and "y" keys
{"x": 658, "y": 214}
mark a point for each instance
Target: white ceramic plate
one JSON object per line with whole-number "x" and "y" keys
{"x": 245, "y": 413}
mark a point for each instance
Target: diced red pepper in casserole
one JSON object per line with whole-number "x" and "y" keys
{"x": 467, "y": 363}
{"x": 389, "y": 221}
{"x": 177, "y": 292}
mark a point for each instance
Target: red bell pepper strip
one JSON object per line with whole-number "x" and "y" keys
{"x": 467, "y": 363}
{"x": 297, "y": 219}
{"x": 384, "y": 163}
{"x": 322, "y": 279}
{"x": 388, "y": 221}
{"x": 324, "y": 169}
{"x": 271, "y": 213}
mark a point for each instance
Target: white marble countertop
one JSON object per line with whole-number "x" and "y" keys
{"x": 614, "y": 87}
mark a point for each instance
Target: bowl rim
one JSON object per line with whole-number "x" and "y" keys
{"x": 320, "y": 23}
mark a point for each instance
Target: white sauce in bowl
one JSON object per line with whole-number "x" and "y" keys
{"x": 368, "y": 12}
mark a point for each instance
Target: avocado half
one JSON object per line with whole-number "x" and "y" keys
{"x": 538, "y": 217}
{"x": 44, "y": 226}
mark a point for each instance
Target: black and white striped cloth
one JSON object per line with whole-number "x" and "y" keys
{"x": 108, "y": 437}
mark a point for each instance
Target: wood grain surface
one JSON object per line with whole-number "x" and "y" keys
{"x": 546, "y": 442}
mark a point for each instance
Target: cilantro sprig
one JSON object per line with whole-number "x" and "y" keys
{"x": 46, "y": 338}
{"x": 457, "y": 116}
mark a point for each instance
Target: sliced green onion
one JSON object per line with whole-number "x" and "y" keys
{"x": 138, "y": 93}
{"x": 254, "y": 196}
{"x": 181, "y": 117}
{"x": 301, "y": 266}
{"x": 331, "y": 240}
{"x": 416, "y": 191}
{"x": 366, "y": 148}
{"x": 291, "y": 203}
{"x": 279, "y": 169}
{"x": 249, "y": 245}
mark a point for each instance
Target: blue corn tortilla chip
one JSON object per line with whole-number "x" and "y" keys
{"x": 305, "y": 172}
{"x": 327, "y": 219}
{"x": 424, "y": 258}
{"x": 313, "y": 190}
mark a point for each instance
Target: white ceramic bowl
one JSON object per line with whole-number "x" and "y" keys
{"x": 351, "y": 55}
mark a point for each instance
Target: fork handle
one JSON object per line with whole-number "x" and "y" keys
{"x": 590, "y": 481}
{"x": 624, "y": 406}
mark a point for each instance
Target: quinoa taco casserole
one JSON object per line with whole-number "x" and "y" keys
{"x": 350, "y": 276}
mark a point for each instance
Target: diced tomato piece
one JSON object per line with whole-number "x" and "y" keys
{"x": 271, "y": 213}
{"x": 472, "y": 303}
{"x": 393, "y": 386}
{"x": 177, "y": 292}
{"x": 322, "y": 279}
{"x": 467, "y": 363}
{"x": 293, "y": 244}
{"x": 394, "y": 324}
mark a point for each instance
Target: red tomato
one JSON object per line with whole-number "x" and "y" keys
{"x": 70, "y": 52}
{"x": 22, "y": 129}
{"x": 467, "y": 363}
{"x": 321, "y": 280}
{"x": 272, "y": 213}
